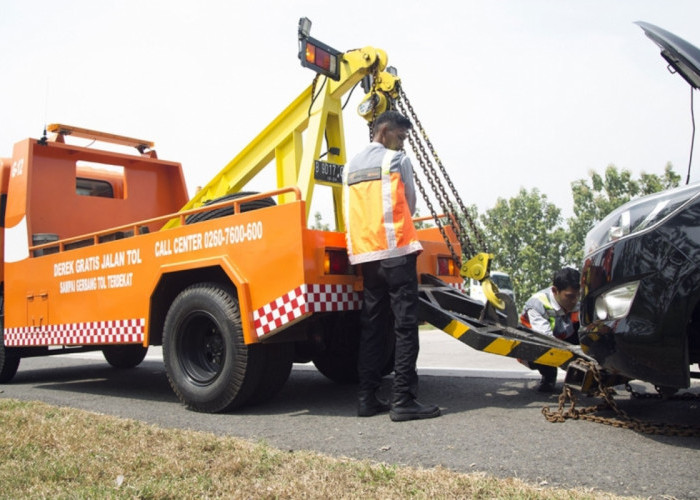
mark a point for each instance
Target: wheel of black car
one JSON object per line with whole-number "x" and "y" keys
{"x": 337, "y": 359}
{"x": 124, "y": 356}
{"x": 228, "y": 210}
{"x": 208, "y": 364}
{"x": 278, "y": 360}
{"x": 666, "y": 391}
{"x": 8, "y": 363}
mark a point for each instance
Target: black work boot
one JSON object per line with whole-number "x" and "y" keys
{"x": 369, "y": 404}
{"x": 408, "y": 408}
{"x": 546, "y": 385}
{"x": 549, "y": 378}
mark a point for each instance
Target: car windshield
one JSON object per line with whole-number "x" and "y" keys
{"x": 502, "y": 281}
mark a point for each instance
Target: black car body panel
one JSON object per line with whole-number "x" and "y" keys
{"x": 651, "y": 342}
{"x": 681, "y": 55}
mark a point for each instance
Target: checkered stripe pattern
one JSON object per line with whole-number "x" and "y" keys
{"x": 96, "y": 332}
{"x": 303, "y": 300}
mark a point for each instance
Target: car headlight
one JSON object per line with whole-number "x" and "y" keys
{"x": 616, "y": 303}
{"x": 638, "y": 215}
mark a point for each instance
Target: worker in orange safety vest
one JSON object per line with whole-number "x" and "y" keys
{"x": 379, "y": 202}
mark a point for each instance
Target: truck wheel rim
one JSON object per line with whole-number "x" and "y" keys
{"x": 202, "y": 349}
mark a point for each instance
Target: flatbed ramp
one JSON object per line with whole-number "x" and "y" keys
{"x": 495, "y": 332}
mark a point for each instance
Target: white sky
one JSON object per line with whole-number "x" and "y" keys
{"x": 512, "y": 93}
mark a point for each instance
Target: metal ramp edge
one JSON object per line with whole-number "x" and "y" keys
{"x": 459, "y": 315}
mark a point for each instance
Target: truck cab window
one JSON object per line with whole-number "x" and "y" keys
{"x": 93, "y": 187}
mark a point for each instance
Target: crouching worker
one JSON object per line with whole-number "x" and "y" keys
{"x": 554, "y": 311}
{"x": 379, "y": 202}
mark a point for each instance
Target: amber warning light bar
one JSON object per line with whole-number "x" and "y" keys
{"x": 317, "y": 55}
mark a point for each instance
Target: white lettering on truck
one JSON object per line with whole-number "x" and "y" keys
{"x": 210, "y": 239}
{"x": 95, "y": 263}
{"x": 163, "y": 248}
{"x": 188, "y": 243}
{"x": 63, "y": 268}
{"x": 87, "y": 264}
{"x": 111, "y": 260}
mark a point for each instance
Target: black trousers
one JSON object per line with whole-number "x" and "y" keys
{"x": 390, "y": 286}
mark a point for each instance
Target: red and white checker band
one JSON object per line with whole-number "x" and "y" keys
{"x": 304, "y": 299}
{"x": 96, "y": 332}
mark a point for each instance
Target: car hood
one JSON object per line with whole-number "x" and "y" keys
{"x": 681, "y": 55}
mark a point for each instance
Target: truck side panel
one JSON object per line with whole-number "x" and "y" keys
{"x": 94, "y": 293}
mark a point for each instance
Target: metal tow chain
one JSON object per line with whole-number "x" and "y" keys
{"x": 423, "y": 148}
{"x": 475, "y": 230}
{"x": 423, "y": 159}
{"x": 375, "y": 99}
{"x": 624, "y": 420}
{"x": 437, "y": 186}
{"x": 438, "y": 221}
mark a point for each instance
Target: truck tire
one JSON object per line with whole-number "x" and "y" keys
{"x": 223, "y": 212}
{"x": 8, "y": 363}
{"x": 338, "y": 358}
{"x": 278, "y": 362}
{"x": 207, "y": 362}
{"x": 124, "y": 356}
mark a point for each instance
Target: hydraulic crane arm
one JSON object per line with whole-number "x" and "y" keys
{"x": 317, "y": 111}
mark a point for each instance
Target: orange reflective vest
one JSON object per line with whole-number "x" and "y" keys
{"x": 378, "y": 219}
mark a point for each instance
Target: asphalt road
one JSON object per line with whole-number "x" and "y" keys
{"x": 491, "y": 421}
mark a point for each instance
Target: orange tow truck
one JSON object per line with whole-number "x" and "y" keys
{"x": 104, "y": 251}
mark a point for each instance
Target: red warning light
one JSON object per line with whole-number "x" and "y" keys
{"x": 321, "y": 58}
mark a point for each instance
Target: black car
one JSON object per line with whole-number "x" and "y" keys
{"x": 640, "y": 294}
